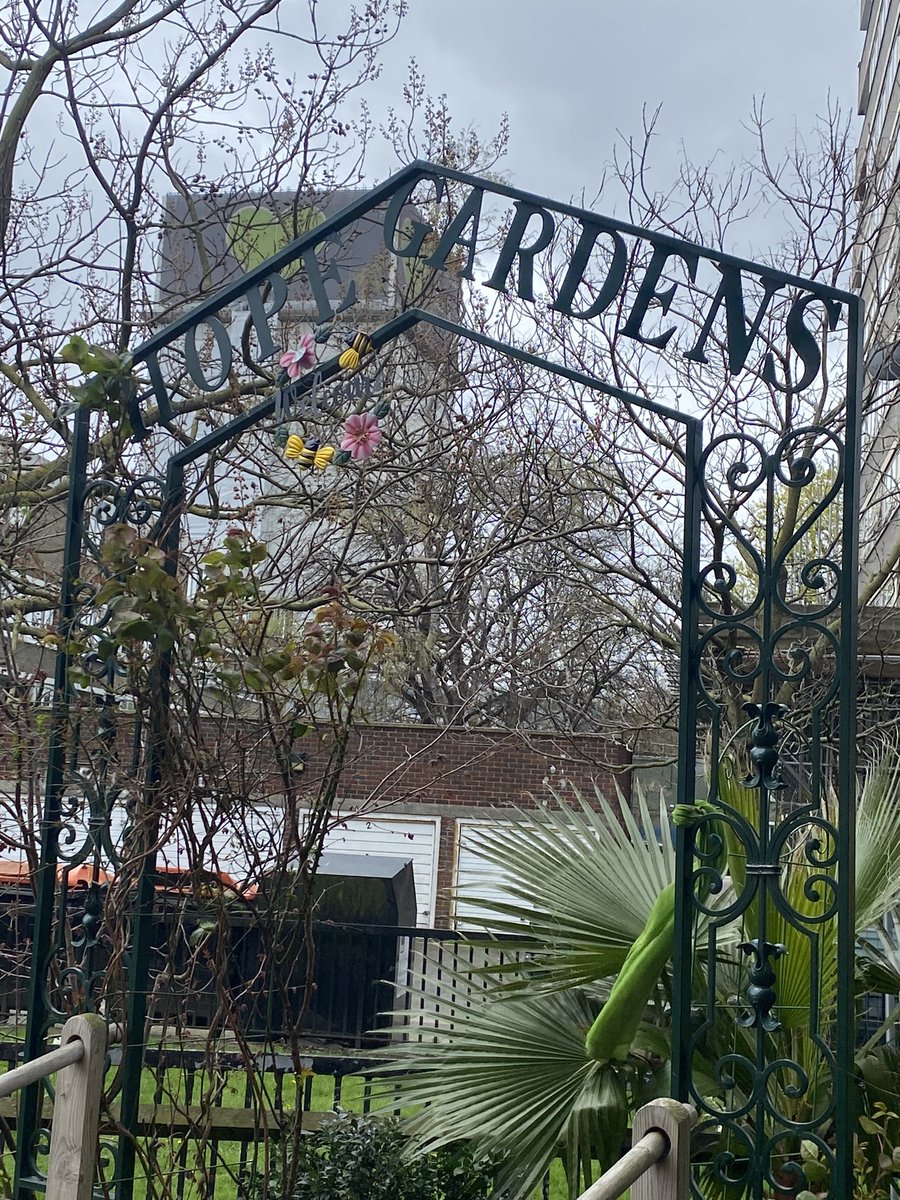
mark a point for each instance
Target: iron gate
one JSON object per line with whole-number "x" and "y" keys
{"x": 741, "y": 637}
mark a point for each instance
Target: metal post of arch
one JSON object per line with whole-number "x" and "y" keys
{"x": 774, "y": 854}
{"x": 745, "y": 640}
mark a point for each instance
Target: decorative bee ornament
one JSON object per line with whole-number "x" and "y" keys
{"x": 308, "y": 454}
{"x": 358, "y": 344}
{"x": 361, "y": 434}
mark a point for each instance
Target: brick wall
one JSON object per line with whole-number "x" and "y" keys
{"x": 415, "y": 764}
{"x": 424, "y": 770}
{"x": 405, "y": 765}
{"x": 418, "y": 770}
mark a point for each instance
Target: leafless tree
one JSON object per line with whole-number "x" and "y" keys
{"x": 516, "y": 538}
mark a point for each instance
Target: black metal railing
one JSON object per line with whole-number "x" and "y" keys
{"x": 361, "y": 973}
{"x": 207, "y": 1115}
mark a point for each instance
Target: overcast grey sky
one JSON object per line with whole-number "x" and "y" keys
{"x": 571, "y": 73}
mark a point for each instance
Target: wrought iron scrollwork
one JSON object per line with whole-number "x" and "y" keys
{"x": 81, "y": 850}
{"x": 764, "y": 745}
{"x": 760, "y": 992}
{"x": 133, "y": 503}
{"x": 770, "y": 630}
{"x": 107, "y": 504}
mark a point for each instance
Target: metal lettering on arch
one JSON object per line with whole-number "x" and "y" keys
{"x": 768, "y": 650}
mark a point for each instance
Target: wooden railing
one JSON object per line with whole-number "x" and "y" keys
{"x": 657, "y": 1167}
{"x": 80, "y": 1061}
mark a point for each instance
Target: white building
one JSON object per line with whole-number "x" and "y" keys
{"x": 877, "y": 278}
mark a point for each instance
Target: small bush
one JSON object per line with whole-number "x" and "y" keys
{"x": 362, "y": 1158}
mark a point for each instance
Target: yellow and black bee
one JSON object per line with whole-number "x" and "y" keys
{"x": 308, "y": 454}
{"x": 358, "y": 344}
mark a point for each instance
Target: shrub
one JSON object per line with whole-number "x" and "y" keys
{"x": 355, "y": 1157}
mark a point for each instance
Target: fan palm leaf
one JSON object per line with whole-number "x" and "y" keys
{"x": 512, "y": 1074}
{"x": 808, "y": 968}
{"x": 578, "y": 883}
{"x": 878, "y": 956}
{"x": 506, "y": 1064}
{"x": 878, "y": 843}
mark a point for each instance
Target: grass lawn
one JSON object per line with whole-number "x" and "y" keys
{"x": 185, "y": 1169}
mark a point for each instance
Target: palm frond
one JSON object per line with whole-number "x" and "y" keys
{"x": 745, "y": 802}
{"x": 809, "y": 966}
{"x": 806, "y": 974}
{"x": 507, "y": 1069}
{"x": 878, "y": 843}
{"x": 511, "y": 1075}
{"x": 577, "y": 882}
{"x": 878, "y": 956}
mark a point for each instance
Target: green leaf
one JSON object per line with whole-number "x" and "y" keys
{"x": 111, "y": 590}
{"x": 816, "y": 1171}
{"x": 579, "y": 880}
{"x": 202, "y": 931}
{"x": 92, "y": 358}
{"x": 165, "y": 639}
{"x": 512, "y": 1075}
{"x": 137, "y": 629}
{"x": 255, "y": 680}
{"x": 877, "y": 838}
{"x": 75, "y": 350}
{"x": 90, "y": 395}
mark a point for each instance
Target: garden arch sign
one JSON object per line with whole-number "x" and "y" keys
{"x": 757, "y": 639}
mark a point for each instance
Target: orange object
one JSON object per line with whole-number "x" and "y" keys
{"x": 14, "y": 872}
{"x": 180, "y": 879}
{"x": 83, "y": 875}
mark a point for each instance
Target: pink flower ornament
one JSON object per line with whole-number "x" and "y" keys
{"x": 295, "y": 362}
{"x": 361, "y": 436}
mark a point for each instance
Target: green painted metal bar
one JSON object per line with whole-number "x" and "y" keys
{"x": 133, "y": 1034}
{"x": 683, "y": 951}
{"x": 558, "y": 369}
{"x": 845, "y": 1097}
{"x": 28, "y": 1179}
{"x": 387, "y": 333}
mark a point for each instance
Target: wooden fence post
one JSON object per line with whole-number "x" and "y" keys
{"x": 76, "y": 1112}
{"x": 670, "y": 1178}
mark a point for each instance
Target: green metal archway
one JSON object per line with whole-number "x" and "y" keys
{"x": 753, "y": 639}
